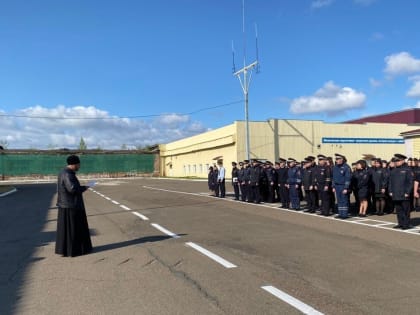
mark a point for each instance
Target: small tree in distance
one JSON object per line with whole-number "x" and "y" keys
{"x": 82, "y": 144}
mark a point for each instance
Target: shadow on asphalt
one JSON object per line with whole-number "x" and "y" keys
{"x": 415, "y": 221}
{"x": 23, "y": 216}
{"x": 142, "y": 240}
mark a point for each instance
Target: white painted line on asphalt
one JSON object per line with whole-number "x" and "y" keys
{"x": 352, "y": 220}
{"x": 174, "y": 191}
{"x": 360, "y": 220}
{"x": 162, "y": 229}
{"x": 144, "y": 218}
{"x": 384, "y": 224}
{"x": 125, "y": 207}
{"x": 304, "y": 308}
{"x": 115, "y": 202}
{"x": 107, "y": 198}
{"x": 8, "y": 192}
{"x": 209, "y": 254}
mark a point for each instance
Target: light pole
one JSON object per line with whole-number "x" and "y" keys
{"x": 245, "y": 81}
{"x": 242, "y": 75}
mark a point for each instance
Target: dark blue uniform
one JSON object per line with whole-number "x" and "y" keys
{"x": 400, "y": 187}
{"x": 294, "y": 179}
{"x": 341, "y": 183}
{"x": 322, "y": 184}
{"x": 235, "y": 181}
{"x": 283, "y": 189}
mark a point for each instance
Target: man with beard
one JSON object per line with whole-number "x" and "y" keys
{"x": 73, "y": 238}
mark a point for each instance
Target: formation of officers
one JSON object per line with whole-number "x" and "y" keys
{"x": 327, "y": 185}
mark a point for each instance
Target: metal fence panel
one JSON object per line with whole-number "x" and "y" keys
{"x": 50, "y": 164}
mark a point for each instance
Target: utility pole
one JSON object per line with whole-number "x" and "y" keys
{"x": 244, "y": 75}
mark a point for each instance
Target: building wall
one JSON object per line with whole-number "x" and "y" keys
{"x": 275, "y": 138}
{"x": 191, "y": 157}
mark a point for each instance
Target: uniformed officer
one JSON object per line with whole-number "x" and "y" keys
{"x": 363, "y": 183}
{"x": 235, "y": 181}
{"x": 254, "y": 182}
{"x": 294, "y": 179}
{"x": 282, "y": 182}
{"x": 308, "y": 184}
{"x": 400, "y": 187}
{"x": 322, "y": 184}
{"x": 247, "y": 173}
{"x": 241, "y": 178}
{"x": 271, "y": 176}
{"x": 380, "y": 184}
{"x": 341, "y": 177}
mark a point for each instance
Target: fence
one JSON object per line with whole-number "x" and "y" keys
{"x": 107, "y": 164}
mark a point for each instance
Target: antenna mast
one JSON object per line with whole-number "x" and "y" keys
{"x": 244, "y": 80}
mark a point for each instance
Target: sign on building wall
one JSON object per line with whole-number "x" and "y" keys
{"x": 363, "y": 140}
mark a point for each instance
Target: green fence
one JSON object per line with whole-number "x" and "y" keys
{"x": 50, "y": 164}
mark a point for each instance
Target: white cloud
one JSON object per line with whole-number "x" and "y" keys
{"x": 317, "y": 4}
{"x": 330, "y": 99}
{"x": 98, "y": 128}
{"x": 414, "y": 91}
{"x": 401, "y": 63}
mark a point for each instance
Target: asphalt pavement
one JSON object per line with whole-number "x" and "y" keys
{"x": 166, "y": 247}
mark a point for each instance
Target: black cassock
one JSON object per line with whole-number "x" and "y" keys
{"x": 73, "y": 238}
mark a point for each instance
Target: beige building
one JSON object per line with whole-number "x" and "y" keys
{"x": 274, "y": 138}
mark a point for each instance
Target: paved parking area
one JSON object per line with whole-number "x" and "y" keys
{"x": 167, "y": 247}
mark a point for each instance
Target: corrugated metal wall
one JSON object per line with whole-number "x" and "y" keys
{"x": 49, "y": 164}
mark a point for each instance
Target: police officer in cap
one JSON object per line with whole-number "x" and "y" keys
{"x": 235, "y": 181}
{"x": 322, "y": 184}
{"x": 294, "y": 179}
{"x": 282, "y": 183}
{"x": 341, "y": 178}
{"x": 400, "y": 187}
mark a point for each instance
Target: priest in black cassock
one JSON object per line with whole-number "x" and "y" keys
{"x": 73, "y": 238}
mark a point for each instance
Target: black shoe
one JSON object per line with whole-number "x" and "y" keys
{"x": 407, "y": 227}
{"x": 397, "y": 227}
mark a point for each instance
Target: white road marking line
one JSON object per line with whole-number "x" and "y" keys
{"x": 144, "y": 218}
{"x": 349, "y": 220}
{"x": 115, "y": 202}
{"x": 360, "y": 220}
{"x": 107, "y": 198}
{"x": 162, "y": 229}
{"x": 384, "y": 224}
{"x": 304, "y": 308}
{"x": 125, "y": 207}
{"x": 209, "y": 254}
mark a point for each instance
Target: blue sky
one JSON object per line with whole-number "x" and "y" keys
{"x": 145, "y": 72}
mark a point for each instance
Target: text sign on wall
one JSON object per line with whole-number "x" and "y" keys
{"x": 363, "y": 140}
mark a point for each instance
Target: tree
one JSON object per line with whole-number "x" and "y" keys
{"x": 82, "y": 144}
{"x": 4, "y": 144}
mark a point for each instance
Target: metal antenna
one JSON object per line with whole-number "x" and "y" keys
{"x": 242, "y": 75}
{"x": 233, "y": 59}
